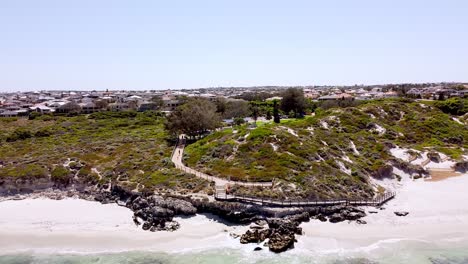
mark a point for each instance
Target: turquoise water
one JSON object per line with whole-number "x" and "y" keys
{"x": 228, "y": 256}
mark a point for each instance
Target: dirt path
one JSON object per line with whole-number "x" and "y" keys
{"x": 177, "y": 159}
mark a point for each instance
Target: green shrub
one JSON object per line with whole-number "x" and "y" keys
{"x": 453, "y": 106}
{"x": 19, "y": 134}
{"x": 259, "y": 133}
{"x": 110, "y": 115}
{"x": 45, "y": 132}
{"x": 60, "y": 175}
{"x": 29, "y": 171}
{"x": 34, "y": 115}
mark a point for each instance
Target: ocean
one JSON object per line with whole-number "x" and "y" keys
{"x": 401, "y": 254}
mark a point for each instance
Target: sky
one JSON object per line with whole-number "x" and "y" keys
{"x": 150, "y": 44}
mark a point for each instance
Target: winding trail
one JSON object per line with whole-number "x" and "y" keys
{"x": 220, "y": 183}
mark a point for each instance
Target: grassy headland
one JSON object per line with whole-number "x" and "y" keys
{"x": 332, "y": 154}
{"x": 130, "y": 148}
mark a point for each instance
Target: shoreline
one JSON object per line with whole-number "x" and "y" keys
{"x": 74, "y": 226}
{"x": 108, "y": 229}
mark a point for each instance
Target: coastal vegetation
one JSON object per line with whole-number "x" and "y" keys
{"x": 335, "y": 153}
{"x": 129, "y": 148}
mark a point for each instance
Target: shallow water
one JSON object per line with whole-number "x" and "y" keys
{"x": 402, "y": 252}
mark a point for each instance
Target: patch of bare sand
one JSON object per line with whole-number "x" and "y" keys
{"x": 442, "y": 174}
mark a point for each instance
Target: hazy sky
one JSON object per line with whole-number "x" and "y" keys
{"x": 149, "y": 44}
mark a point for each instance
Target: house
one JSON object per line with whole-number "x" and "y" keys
{"x": 89, "y": 107}
{"x": 342, "y": 96}
{"x": 147, "y": 106}
{"x": 8, "y": 113}
{"x": 414, "y": 93}
{"x": 390, "y": 94}
{"x": 119, "y": 107}
{"x": 70, "y": 107}
{"x": 277, "y": 98}
{"x": 312, "y": 94}
{"x": 41, "y": 109}
{"x": 170, "y": 105}
{"x": 209, "y": 97}
{"x": 463, "y": 93}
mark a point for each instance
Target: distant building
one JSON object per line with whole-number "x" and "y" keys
{"x": 342, "y": 96}
{"x": 89, "y": 107}
{"x": 41, "y": 109}
{"x": 311, "y": 93}
{"x": 9, "y": 114}
{"x": 278, "y": 98}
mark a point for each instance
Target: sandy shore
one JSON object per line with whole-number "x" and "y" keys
{"x": 73, "y": 225}
{"x": 438, "y": 213}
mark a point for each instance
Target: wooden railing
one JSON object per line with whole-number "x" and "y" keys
{"x": 378, "y": 201}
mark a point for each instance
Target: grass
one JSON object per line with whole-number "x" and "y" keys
{"x": 119, "y": 145}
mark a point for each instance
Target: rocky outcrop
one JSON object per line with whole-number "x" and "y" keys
{"x": 434, "y": 156}
{"x": 179, "y": 206}
{"x": 232, "y": 212}
{"x": 255, "y": 236}
{"x": 12, "y": 186}
{"x": 384, "y": 171}
{"x": 280, "y": 232}
{"x": 461, "y": 166}
{"x": 402, "y": 213}
{"x": 409, "y": 168}
{"x": 338, "y": 213}
{"x": 280, "y": 242}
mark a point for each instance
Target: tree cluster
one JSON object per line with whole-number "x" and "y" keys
{"x": 293, "y": 102}
{"x": 232, "y": 108}
{"x": 194, "y": 118}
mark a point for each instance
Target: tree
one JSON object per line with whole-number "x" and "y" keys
{"x": 101, "y": 104}
{"x": 459, "y": 87}
{"x": 441, "y": 96}
{"x": 158, "y": 101}
{"x": 268, "y": 115}
{"x": 276, "y": 117}
{"x": 239, "y": 121}
{"x": 293, "y": 100}
{"x": 236, "y": 108}
{"x": 194, "y": 118}
{"x": 255, "y": 112}
{"x": 221, "y": 106}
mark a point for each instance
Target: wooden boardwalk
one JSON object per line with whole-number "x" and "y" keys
{"x": 221, "y": 186}
{"x": 378, "y": 201}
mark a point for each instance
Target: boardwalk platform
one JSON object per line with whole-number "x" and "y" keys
{"x": 378, "y": 201}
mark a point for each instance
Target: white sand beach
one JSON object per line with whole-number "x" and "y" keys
{"x": 438, "y": 213}
{"x": 79, "y": 226}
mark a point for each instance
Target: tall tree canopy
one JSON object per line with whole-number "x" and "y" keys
{"x": 293, "y": 100}
{"x": 232, "y": 108}
{"x": 237, "y": 108}
{"x": 194, "y": 118}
